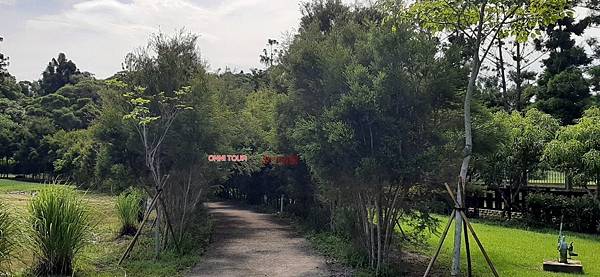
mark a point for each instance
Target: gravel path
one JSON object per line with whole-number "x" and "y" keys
{"x": 247, "y": 243}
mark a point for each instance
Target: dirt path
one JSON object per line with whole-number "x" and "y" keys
{"x": 248, "y": 243}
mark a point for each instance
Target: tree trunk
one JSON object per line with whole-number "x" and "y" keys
{"x": 597, "y": 187}
{"x": 379, "y": 221}
{"x": 502, "y": 76}
{"x": 519, "y": 79}
{"x": 466, "y": 158}
{"x": 157, "y": 233}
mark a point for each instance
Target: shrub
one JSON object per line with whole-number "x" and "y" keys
{"x": 129, "y": 206}
{"x": 60, "y": 223}
{"x": 8, "y": 240}
{"x": 580, "y": 214}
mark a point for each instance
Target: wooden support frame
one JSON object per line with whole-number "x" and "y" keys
{"x": 157, "y": 198}
{"x": 458, "y": 208}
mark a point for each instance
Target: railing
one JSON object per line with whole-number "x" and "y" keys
{"x": 548, "y": 178}
{"x": 492, "y": 199}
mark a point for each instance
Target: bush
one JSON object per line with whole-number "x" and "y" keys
{"x": 8, "y": 240}
{"x": 580, "y": 214}
{"x": 60, "y": 222}
{"x": 129, "y": 206}
{"x": 339, "y": 248}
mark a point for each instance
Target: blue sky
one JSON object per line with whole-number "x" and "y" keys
{"x": 97, "y": 34}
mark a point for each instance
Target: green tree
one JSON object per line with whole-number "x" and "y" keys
{"x": 8, "y": 143}
{"x": 575, "y": 150}
{"x": 520, "y": 146}
{"x": 72, "y": 106}
{"x": 3, "y": 65}
{"x": 58, "y": 73}
{"x": 480, "y": 23}
{"x": 362, "y": 112}
{"x": 562, "y": 89}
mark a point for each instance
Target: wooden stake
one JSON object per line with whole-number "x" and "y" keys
{"x": 139, "y": 231}
{"x": 168, "y": 219}
{"x": 487, "y": 258}
{"x": 468, "y": 250}
{"x": 442, "y": 238}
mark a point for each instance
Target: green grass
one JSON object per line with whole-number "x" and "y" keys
{"x": 515, "y": 252}
{"x": 100, "y": 256}
{"x": 7, "y": 185}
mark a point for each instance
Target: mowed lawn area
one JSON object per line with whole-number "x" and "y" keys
{"x": 100, "y": 256}
{"x": 514, "y": 252}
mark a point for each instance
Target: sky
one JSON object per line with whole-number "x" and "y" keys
{"x": 97, "y": 34}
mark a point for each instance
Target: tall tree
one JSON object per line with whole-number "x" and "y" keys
{"x": 3, "y": 65}
{"x": 270, "y": 54}
{"x": 58, "y": 73}
{"x": 480, "y": 22}
{"x": 562, "y": 89}
{"x": 362, "y": 112}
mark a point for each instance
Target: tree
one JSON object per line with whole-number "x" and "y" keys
{"x": 576, "y": 147}
{"x": 3, "y": 64}
{"x": 480, "y": 23}
{"x": 73, "y": 106}
{"x": 8, "y": 143}
{"x": 269, "y": 56}
{"x": 519, "y": 150}
{"x": 58, "y": 73}
{"x": 363, "y": 114}
{"x": 562, "y": 89}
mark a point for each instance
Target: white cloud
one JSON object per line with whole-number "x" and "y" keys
{"x": 97, "y": 34}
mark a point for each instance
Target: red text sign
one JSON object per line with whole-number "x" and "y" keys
{"x": 290, "y": 160}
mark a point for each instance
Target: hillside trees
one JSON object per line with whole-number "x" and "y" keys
{"x": 3, "y": 65}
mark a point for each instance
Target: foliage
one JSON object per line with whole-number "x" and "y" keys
{"x": 60, "y": 222}
{"x": 58, "y": 73}
{"x": 362, "y": 113}
{"x": 520, "y": 142}
{"x": 575, "y": 149}
{"x": 129, "y": 207}
{"x": 339, "y": 248}
{"x": 562, "y": 90}
{"x": 564, "y": 95}
{"x": 580, "y": 214}
{"x": 8, "y": 239}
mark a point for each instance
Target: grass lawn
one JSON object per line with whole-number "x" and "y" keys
{"x": 515, "y": 252}
{"x": 12, "y": 186}
{"x": 100, "y": 256}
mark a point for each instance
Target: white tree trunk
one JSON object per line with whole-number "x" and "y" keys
{"x": 466, "y": 160}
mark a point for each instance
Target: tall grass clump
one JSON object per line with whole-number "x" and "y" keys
{"x": 60, "y": 223}
{"x": 8, "y": 239}
{"x": 129, "y": 207}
